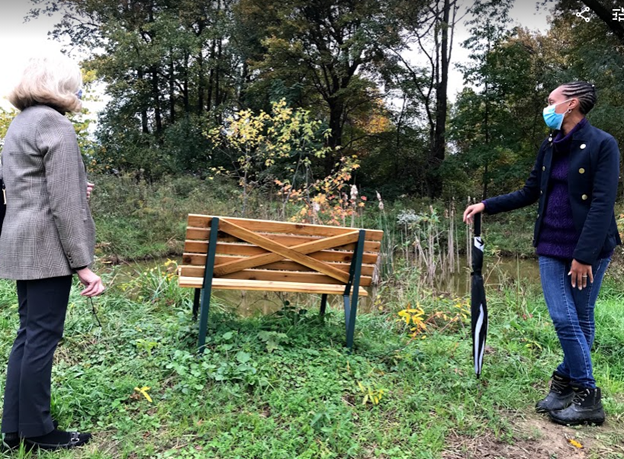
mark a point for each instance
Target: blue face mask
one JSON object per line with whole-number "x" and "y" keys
{"x": 552, "y": 119}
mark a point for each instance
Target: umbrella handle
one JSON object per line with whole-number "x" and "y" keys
{"x": 477, "y": 225}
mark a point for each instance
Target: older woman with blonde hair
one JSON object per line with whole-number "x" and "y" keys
{"x": 48, "y": 235}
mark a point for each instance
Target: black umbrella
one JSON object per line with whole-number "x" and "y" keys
{"x": 478, "y": 307}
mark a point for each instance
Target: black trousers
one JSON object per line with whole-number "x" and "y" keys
{"x": 42, "y": 308}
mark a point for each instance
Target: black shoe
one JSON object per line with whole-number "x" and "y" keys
{"x": 58, "y": 439}
{"x": 559, "y": 397}
{"x": 10, "y": 441}
{"x": 586, "y": 408}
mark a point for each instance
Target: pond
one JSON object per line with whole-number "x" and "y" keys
{"x": 496, "y": 271}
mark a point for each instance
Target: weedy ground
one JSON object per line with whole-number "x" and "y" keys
{"x": 282, "y": 385}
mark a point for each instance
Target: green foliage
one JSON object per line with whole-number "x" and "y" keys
{"x": 496, "y": 122}
{"x": 136, "y": 219}
{"x": 5, "y": 120}
{"x": 173, "y": 68}
{"x": 275, "y": 153}
{"x": 282, "y": 386}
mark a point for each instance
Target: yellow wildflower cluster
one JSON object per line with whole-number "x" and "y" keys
{"x": 418, "y": 322}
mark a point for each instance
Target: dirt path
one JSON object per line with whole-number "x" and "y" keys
{"x": 534, "y": 437}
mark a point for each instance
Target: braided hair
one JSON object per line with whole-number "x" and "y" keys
{"x": 584, "y": 92}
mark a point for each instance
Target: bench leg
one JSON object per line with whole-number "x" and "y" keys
{"x": 196, "y": 299}
{"x": 206, "y": 291}
{"x": 323, "y": 305}
{"x": 350, "y": 315}
{"x": 351, "y": 301}
{"x": 203, "y": 318}
{"x": 347, "y": 310}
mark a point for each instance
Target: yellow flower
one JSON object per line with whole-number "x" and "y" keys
{"x": 575, "y": 443}
{"x": 143, "y": 391}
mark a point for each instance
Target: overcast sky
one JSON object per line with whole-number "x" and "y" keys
{"x": 19, "y": 40}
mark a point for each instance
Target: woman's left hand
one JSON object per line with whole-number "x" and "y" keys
{"x": 579, "y": 274}
{"x": 89, "y": 189}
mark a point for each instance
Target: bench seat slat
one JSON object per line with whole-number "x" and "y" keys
{"x": 271, "y": 286}
{"x": 291, "y": 266}
{"x": 272, "y": 275}
{"x": 203, "y": 221}
{"x": 201, "y": 234}
{"x": 367, "y": 270}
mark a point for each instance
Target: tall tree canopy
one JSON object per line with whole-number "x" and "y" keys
{"x": 373, "y": 73}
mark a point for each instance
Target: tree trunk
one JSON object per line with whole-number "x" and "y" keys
{"x": 156, "y": 96}
{"x": 171, "y": 91}
{"x": 200, "y": 82}
{"x": 211, "y": 76}
{"x": 187, "y": 104}
{"x": 144, "y": 119}
{"x": 218, "y": 95}
{"x": 336, "y": 113}
{"x": 439, "y": 141}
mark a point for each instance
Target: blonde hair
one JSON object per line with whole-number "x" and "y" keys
{"x": 53, "y": 79}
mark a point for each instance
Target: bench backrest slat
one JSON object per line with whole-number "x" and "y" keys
{"x": 227, "y": 250}
{"x": 268, "y": 251}
{"x": 200, "y": 244}
{"x": 204, "y": 221}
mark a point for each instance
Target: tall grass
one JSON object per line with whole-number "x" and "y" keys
{"x": 283, "y": 386}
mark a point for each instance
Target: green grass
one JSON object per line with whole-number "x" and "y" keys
{"x": 283, "y": 385}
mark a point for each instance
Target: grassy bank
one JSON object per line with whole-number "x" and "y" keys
{"x": 137, "y": 220}
{"x": 283, "y": 386}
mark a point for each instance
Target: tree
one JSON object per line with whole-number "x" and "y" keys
{"x": 162, "y": 62}
{"x": 277, "y": 150}
{"x": 490, "y": 26}
{"x": 328, "y": 47}
{"x": 428, "y": 26}
{"x": 497, "y": 124}
{"x": 603, "y": 9}
{"x": 5, "y": 120}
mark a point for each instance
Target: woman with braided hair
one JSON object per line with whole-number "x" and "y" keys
{"x": 574, "y": 180}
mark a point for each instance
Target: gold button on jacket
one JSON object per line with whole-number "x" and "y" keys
{"x": 581, "y": 171}
{"x": 584, "y": 197}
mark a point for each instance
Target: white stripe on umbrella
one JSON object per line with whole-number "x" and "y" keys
{"x": 479, "y": 351}
{"x": 478, "y": 243}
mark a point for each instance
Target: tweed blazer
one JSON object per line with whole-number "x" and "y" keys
{"x": 48, "y": 230}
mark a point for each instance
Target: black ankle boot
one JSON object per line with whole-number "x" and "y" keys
{"x": 586, "y": 408}
{"x": 559, "y": 397}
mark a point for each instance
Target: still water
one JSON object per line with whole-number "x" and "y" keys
{"x": 496, "y": 271}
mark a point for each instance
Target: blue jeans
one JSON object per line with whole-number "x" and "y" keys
{"x": 572, "y": 313}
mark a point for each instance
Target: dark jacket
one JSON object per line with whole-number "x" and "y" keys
{"x": 593, "y": 175}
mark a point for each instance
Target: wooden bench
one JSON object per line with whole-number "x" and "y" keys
{"x": 247, "y": 254}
